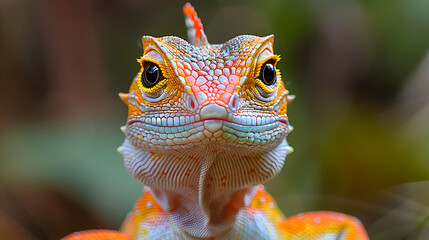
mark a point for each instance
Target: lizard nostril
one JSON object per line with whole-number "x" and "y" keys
{"x": 192, "y": 104}
{"x": 234, "y": 102}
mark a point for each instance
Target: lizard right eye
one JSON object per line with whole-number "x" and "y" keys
{"x": 151, "y": 75}
{"x": 268, "y": 74}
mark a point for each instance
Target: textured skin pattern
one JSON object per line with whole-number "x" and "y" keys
{"x": 206, "y": 129}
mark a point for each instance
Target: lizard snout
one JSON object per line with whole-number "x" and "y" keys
{"x": 213, "y": 111}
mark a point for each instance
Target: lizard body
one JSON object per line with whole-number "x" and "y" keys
{"x": 207, "y": 125}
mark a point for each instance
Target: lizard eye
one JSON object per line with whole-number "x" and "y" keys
{"x": 268, "y": 74}
{"x": 151, "y": 75}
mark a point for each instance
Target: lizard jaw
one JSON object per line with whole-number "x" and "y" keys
{"x": 247, "y": 131}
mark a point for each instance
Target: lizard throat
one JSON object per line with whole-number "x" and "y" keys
{"x": 203, "y": 191}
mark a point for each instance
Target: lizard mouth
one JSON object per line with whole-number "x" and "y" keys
{"x": 245, "y": 125}
{"x": 172, "y": 133}
{"x": 281, "y": 120}
{"x": 250, "y": 121}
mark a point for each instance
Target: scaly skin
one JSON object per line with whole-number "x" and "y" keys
{"x": 207, "y": 125}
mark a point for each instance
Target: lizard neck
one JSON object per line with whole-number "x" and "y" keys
{"x": 207, "y": 221}
{"x": 202, "y": 190}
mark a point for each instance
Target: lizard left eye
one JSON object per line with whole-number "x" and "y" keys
{"x": 151, "y": 75}
{"x": 268, "y": 74}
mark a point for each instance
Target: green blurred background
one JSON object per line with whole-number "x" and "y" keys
{"x": 359, "y": 69}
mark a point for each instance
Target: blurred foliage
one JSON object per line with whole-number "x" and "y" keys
{"x": 360, "y": 70}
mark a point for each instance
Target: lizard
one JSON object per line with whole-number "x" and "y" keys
{"x": 206, "y": 127}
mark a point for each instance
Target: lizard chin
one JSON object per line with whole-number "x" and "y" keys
{"x": 202, "y": 191}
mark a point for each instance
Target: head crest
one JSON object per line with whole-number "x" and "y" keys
{"x": 196, "y": 35}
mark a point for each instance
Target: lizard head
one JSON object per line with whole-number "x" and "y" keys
{"x": 226, "y": 96}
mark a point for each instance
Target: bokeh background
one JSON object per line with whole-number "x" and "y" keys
{"x": 359, "y": 69}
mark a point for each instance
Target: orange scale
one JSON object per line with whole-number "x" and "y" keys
{"x": 237, "y": 89}
{"x": 97, "y": 235}
{"x": 237, "y": 62}
{"x": 238, "y": 71}
{"x": 181, "y": 72}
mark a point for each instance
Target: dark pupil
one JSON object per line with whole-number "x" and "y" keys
{"x": 151, "y": 75}
{"x": 268, "y": 74}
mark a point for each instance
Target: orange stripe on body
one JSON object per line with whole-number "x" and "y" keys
{"x": 145, "y": 209}
{"x": 315, "y": 225}
{"x": 97, "y": 235}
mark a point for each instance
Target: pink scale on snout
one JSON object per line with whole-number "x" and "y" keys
{"x": 194, "y": 73}
{"x": 201, "y": 64}
{"x": 195, "y": 89}
{"x": 225, "y": 97}
{"x": 218, "y": 72}
{"x": 226, "y": 72}
{"x": 204, "y": 88}
{"x": 190, "y": 79}
{"x": 233, "y": 79}
{"x": 200, "y": 81}
{"x": 201, "y": 97}
{"x": 230, "y": 88}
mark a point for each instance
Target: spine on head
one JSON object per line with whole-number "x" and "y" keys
{"x": 196, "y": 35}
